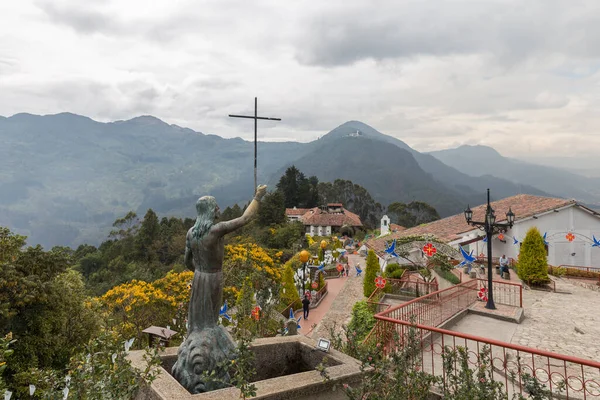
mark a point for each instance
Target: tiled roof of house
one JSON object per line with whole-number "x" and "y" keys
{"x": 317, "y": 217}
{"x": 296, "y": 211}
{"x": 396, "y": 228}
{"x": 451, "y": 228}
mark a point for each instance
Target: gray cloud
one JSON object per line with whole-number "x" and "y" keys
{"x": 81, "y": 17}
{"x": 509, "y": 30}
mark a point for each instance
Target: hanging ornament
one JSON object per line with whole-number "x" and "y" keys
{"x": 482, "y": 294}
{"x": 570, "y": 237}
{"x": 256, "y": 313}
{"x": 596, "y": 242}
{"x": 314, "y": 285}
{"x": 429, "y": 249}
{"x": 501, "y": 236}
{"x": 380, "y": 282}
{"x": 340, "y": 267}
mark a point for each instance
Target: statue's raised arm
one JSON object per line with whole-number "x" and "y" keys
{"x": 230, "y": 226}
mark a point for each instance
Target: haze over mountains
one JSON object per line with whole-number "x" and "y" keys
{"x": 65, "y": 178}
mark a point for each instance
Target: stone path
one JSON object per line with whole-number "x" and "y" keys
{"x": 340, "y": 310}
{"x": 566, "y": 322}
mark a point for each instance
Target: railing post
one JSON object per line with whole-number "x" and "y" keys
{"x": 521, "y": 296}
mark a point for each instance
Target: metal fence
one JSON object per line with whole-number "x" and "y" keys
{"x": 573, "y": 377}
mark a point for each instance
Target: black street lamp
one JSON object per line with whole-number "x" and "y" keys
{"x": 304, "y": 256}
{"x": 490, "y": 227}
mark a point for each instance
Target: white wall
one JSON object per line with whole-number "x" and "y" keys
{"x": 556, "y": 224}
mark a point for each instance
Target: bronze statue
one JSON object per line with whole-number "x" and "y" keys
{"x": 207, "y": 344}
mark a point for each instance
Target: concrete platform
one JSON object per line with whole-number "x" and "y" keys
{"x": 502, "y": 312}
{"x": 271, "y": 353}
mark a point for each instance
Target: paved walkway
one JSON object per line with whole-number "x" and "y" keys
{"x": 315, "y": 315}
{"x": 340, "y": 310}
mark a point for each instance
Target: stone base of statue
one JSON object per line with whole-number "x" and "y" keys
{"x": 285, "y": 368}
{"x": 209, "y": 349}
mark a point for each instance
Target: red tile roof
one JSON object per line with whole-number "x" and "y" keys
{"x": 317, "y": 217}
{"x": 451, "y": 228}
{"x": 396, "y": 228}
{"x": 296, "y": 211}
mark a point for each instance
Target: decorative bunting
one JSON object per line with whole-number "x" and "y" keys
{"x": 429, "y": 249}
{"x": 570, "y": 237}
{"x": 391, "y": 249}
{"x": 380, "y": 282}
{"x": 223, "y": 312}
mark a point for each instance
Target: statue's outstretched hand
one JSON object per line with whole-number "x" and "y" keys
{"x": 261, "y": 190}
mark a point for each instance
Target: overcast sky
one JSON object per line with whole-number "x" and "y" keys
{"x": 521, "y": 76}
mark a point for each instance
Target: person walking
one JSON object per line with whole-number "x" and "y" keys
{"x": 347, "y": 267}
{"x": 305, "y": 304}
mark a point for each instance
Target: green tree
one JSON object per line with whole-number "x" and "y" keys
{"x": 354, "y": 198}
{"x": 42, "y": 302}
{"x": 370, "y": 274}
{"x": 533, "y": 263}
{"x": 297, "y": 189}
{"x": 146, "y": 236}
{"x": 271, "y": 210}
{"x": 291, "y": 292}
{"x": 412, "y": 214}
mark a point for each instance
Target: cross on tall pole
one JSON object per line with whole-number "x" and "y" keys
{"x": 255, "y": 117}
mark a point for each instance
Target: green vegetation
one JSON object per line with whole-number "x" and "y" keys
{"x": 298, "y": 190}
{"x": 354, "y": 198}
{"x": 532, "y": 266}
{"x": 362, "y": 320}
{"x": 412, "y": 214}
{"x": 447, "y": 275}
{"x": 371, "y": 272}
{"x": 393, "y": 271}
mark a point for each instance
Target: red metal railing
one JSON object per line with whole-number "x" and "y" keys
{"x": 587, "y": 269}
{"x": 574, "y": 377}
{"x": 317, "y": 297}
{"x": 508, "y": 293}
{"x": 578, "y": 378}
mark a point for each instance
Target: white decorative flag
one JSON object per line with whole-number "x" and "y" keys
{"x": 7, "y": 395}
{"x": 114, "y": 357}
{"x": 65, "y": 393}
{"x": 68, "y": 380}
{"x": 31, "y": 390}
{"x": 174, "y": 321}
{"x": 168, "y": 327}
{"x": 128, "y": 344}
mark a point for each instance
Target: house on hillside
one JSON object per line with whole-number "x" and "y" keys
{"x": 387, "y": 227}
{"x": 568, "y": 225}
{"x": 333, "y": 218}
{"x": 295, "y": 214}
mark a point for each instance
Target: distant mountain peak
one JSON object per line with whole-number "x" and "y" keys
{"x": 147, "y": 120}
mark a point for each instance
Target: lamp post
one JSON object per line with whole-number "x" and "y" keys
{"x": 304, "y": 256}
{"x": 490, "y": 227}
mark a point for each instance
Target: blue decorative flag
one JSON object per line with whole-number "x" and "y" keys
{"x": 596, "y": 242}
{"x": 391, "y": 249}
{"x": 223, "y": 312}
{"x": 467, "y": 258}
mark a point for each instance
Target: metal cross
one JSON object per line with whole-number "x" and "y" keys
{"x": 255, "y": 117}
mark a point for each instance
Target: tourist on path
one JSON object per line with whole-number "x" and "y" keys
{"x": 305, "y": 304}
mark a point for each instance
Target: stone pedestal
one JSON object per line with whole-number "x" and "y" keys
{"x": 285, "y": 369}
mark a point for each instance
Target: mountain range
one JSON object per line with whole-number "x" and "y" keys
{"x": 65, "y": 178}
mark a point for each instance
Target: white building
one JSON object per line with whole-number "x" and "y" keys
{"x": 568, "y": 226}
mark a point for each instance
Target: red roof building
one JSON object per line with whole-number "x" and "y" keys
{"x": 323, "y": 221}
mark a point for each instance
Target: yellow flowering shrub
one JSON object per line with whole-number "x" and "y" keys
{"x": 137, "y": 305}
